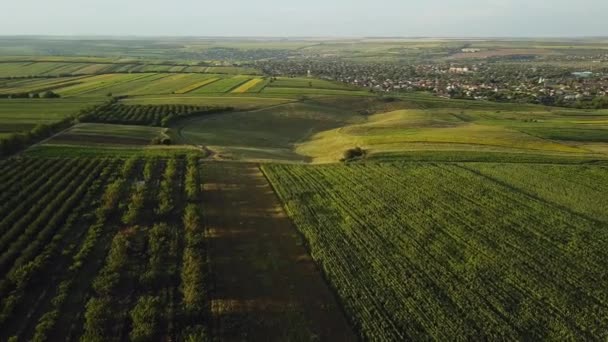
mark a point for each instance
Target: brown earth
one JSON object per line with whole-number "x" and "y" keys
{"x": 264, "y": 284}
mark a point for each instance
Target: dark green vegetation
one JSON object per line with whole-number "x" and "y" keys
{"x": 102, "y": 248}
{"x": 488, "y": 251}
{"x": 149, "y": 115}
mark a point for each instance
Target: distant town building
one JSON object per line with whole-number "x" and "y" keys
{"x": 470, "y": 50}
{"x": 582, "y": 74}
{"x": 459, "y": 70}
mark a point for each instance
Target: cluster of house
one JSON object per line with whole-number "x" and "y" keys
{"x": 482, "y": 81}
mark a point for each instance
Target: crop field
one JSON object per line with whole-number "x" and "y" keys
{"x": 301, "y": 82}
{"x": 314, "y": 91}
{"x": 21, "y": 86}
{"x": 247, "y": 86}
{"x": 149, "y": 115}
{"x": 419, "y": 251}
{"x": 100, "y": 83}
{"x": 196, "y": 85}
{"x": 170, "y": 84}
{"x": 232, "y": 70}
{"x": 106, "y": 134}
{"x": 106, "y": 249}
{"x": 224, "y": 85}
{"x": 142, "y": 84}
{"x": 242, "y": 103}
{"x": 47, "y": 150}
{"x": 71, "y": 66}
{"x": 123, "y": 84}
{"x": 18, "y": 115}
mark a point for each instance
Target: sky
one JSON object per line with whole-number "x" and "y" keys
{"x": 323, "y": 18}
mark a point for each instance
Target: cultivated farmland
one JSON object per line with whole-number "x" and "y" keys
{"x": 19, "y": 115}
{"x": 102, "y": 249}
{"x": 439, "y": 250}
{"x": 168, "y": 190}
{"x": 96, "y": 133}
{"x": 151, "y": 115}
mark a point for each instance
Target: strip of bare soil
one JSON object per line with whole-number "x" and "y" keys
{"x": 265, "y": 286}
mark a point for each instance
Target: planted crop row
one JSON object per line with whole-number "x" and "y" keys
{"x": 104, "y": 249}
{"x": 419, "y": 251}
{"x": 50, "y": 245}
{"x": 148, "y": 115}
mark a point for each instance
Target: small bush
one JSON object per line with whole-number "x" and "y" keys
{"x": 353, "y": 153}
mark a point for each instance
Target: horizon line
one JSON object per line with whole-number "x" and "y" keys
{"x": 337, "y": 37}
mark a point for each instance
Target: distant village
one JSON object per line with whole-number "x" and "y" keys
{"x": 486, "y": 80}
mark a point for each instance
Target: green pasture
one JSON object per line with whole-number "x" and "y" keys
{"x": 19, "y": 115}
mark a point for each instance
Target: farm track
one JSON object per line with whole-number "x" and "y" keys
{"x": 265, "y": 285}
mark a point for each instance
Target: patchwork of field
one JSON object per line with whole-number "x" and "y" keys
{"x": 240, "y": 103}
{"x": 20, "y": 115}
{"x": 106, "y": 134}
{"x": 36, "y": 85}
{"x": 479, "y": 250}
{"x": 69, "y": 67}
{"x": 159, "y": 83}
{"x": 100, "y": 85}
{"x": 138, "y": 84}
{"x": 224, "y": 85}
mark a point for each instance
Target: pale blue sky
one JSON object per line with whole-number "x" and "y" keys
{"x": 306, "y": 17}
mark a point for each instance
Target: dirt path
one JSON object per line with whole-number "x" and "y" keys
{"x": 266, "y": 286}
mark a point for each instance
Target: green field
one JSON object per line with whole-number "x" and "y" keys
{"x": 222, "y": 86}
{"x": 19, "y": 115}
{"x": 470, "y": 250}
{"x": 321, "y": 129}
{"x": 270, "y": 133}
{"x": 241, "y": 103}
{"x": 65, "y": 66}
{"x": 71, "y": 150}
{"x": 301, "y": 82}
{"x": 17, "y": 86}
{"x": 106, "y": 134}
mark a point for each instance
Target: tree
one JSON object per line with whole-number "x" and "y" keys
{"x": 353, "y": 153}
{"x": 145, "y": 316}
{"x": 50, "y": 95}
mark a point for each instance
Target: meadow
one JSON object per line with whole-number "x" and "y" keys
{"x": 320, "y": 129}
